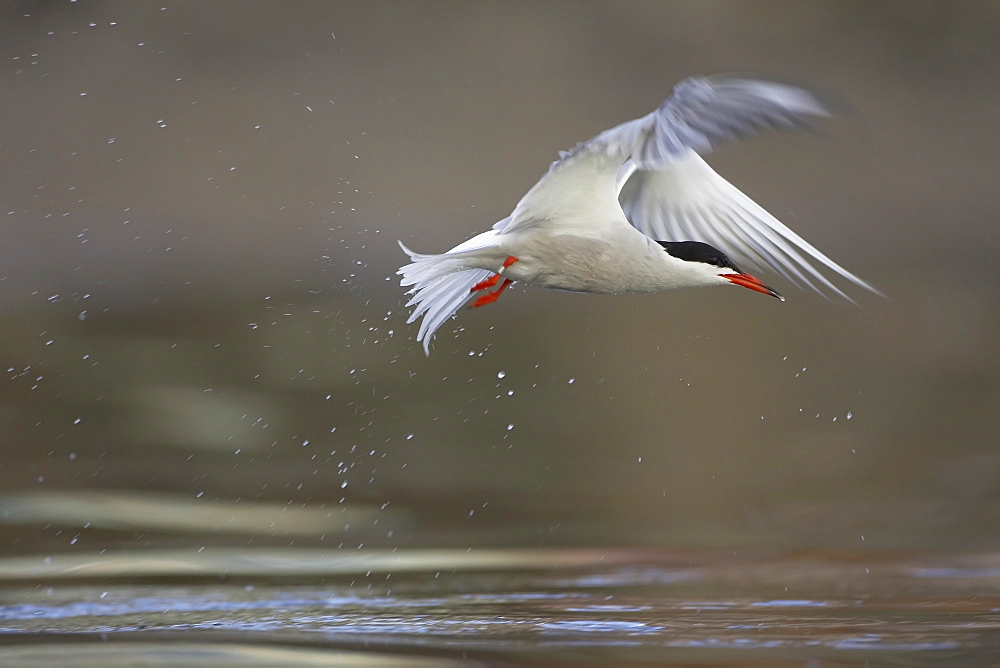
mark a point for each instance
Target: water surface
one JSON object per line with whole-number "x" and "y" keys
{"x": 302, "y": 606}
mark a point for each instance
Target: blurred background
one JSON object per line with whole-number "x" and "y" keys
{"x": 204, "y": 339}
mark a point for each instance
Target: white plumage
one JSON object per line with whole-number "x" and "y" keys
{"x": 604, "y": 216}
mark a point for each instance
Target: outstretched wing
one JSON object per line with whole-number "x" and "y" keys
{"x": 648, "y": 173}
{"x": 579, "y": 194}
{"x": 688, "y": 200}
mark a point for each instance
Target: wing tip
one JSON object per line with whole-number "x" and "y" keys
{"x": 814, "y": 100}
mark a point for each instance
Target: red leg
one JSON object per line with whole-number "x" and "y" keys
{"x": 492, "y": 280}
{"x": 491, "y": 297}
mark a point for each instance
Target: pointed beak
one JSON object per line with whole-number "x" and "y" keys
{"x": 748, "y": 281}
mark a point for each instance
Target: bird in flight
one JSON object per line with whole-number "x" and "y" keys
{"x": 637, "y": 209}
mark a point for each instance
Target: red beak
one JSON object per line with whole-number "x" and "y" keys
{"x": 748, "y": 281}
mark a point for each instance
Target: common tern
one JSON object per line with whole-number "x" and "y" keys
{"x": 637, "y": 209}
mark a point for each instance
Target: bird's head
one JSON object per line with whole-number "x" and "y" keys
{"x": 707, "y": 265}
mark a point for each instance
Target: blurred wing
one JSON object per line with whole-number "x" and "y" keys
{"x": 578, "y": 195}
{"x": 702, "y": 113}
{"x": 688, "y": 200}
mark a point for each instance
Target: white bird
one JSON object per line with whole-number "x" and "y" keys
{"x": 634, "y": 210}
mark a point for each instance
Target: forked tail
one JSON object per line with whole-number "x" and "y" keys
{"x": 441, "y": 284}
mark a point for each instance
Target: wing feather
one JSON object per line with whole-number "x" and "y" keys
{"x": 687, "y": 200}
{"x": 650, "y": 170}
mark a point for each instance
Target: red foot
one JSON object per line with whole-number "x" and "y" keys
{"x": 488, "y": 283}
{"x": 492, "y": 280}
{"x": 491, "y": 297}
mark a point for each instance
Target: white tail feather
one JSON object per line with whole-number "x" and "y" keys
{"x": 441, "y": 284}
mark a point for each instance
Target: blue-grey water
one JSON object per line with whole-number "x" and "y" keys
{"x": 303, "y": 606}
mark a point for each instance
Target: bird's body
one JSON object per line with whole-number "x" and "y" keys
{"x": 634, "y": 210}
{"x": 587, "y": 264}
{"x": 625, "y": 263}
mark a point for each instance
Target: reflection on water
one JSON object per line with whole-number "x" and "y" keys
{"x": 186, "y": 653}
{"x": 147, "y": 511}
{"x": 510, "y": 605}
